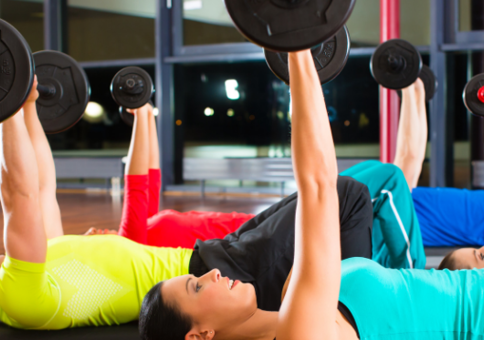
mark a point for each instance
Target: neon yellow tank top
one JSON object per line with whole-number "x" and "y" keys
{"x": 86, "y": 281}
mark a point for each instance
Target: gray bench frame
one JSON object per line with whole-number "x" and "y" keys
{"x": 256, "y": 169}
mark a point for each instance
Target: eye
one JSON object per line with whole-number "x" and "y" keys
{"x": 481, "y": 256}
{"x": 197, "y": 287}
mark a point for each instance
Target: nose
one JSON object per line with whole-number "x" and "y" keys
{"x": 215, "y": 275}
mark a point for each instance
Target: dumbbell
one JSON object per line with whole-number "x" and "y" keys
{"x": 329, "y": 57}
{"x": 62, "y": 84}
{"x": 281, "y": 26}
{"x": 473, "y": 95}
{"x": 131, "y": 88}
{"x": 396, "y": 64}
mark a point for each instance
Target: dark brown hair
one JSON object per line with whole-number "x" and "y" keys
{"x": 160, "y": 320}
{"x": 449, "y": 262}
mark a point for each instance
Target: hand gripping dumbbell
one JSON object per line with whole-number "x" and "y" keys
{"x": 62, "y": 84}
{"x": 396, "y": 64}
{"x": 281, "y": 26}
{"x": 131, "y": 88}
{"x": 473, "y": 95}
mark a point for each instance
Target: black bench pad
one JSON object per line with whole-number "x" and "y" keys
{"x": 123, "y": 332}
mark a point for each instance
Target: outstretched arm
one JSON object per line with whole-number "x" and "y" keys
{"x": 310, "y": 308}
{"x": 45, "y": 161}
{"x": 25, "y": 237}
{"x": 412, "y": 133}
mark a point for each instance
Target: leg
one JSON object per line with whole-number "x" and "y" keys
{"x": 135, "y": 209}
{"x": 25, "y": 237}
{"x": 412, "y": 133}
{"x": 154, "y": 166}
{"x": 169, "y": 228}
{"x": 45, "y": 162}
{"x": 397, "y": 241}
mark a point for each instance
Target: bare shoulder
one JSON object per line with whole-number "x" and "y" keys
{"x": 2, "y": 258}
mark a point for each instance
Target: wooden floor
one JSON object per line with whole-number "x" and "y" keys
{"x": 80, "y": 211}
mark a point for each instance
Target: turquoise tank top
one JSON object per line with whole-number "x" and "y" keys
{"x": 402, "y": 304}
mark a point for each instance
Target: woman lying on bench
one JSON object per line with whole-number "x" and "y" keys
{"x": 326, "y": 298}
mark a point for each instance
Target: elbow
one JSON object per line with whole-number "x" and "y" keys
{"x": 319, "y": 185}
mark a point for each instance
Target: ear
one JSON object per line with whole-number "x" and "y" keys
{"x": 194, "y": 334}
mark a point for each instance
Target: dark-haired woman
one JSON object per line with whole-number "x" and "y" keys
{"x": 326, "y": 298}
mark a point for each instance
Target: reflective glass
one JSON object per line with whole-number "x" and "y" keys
{"x": 364, "y": 23}
{"x": 101, "y": 130}
{"x": 207, "y": 22}
{"x": 244, "y": 104}
{"x": 471, "y": 15}
{"x": 28, "y": 18}
{"x": 415, "y": 21}
{"x": 465, "y": 15}
{"x": 107, "y": 30}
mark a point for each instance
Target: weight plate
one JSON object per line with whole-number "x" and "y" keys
{"x": 62, "y": 109}
{"x": 16, "y": 70}
{"x": 470, "y": 97}
{"x": 127, "y": 117}
{"x": 429, "y": 81}
{"x": 396, "y": 64}
{"x": 289, "y": 25}
{"x": 131, "y": 87}
{"x": 330, "y": 58}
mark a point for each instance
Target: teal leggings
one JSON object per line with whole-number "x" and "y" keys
{"x": 397, "y": 242}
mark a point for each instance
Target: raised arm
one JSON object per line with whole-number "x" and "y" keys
{"x": 309, "y": 309}
{"x": 412, "y": 133}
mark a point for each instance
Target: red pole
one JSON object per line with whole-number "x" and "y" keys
{"x": 389, "y": 100}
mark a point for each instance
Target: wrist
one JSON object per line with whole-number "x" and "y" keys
{"x": 29, "y": 104}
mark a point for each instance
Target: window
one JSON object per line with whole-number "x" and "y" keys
{"x": 108, "y": 30}
{"x": 28, "y": 18}
{"x": 99, "y": 131}
{"x": 206, "y": 22}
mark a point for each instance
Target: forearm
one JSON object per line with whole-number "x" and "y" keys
{"x": 25, "y": 238}
{"x": 408, "y": 136}
{"x": 43, "y": 152}
{"x": 154, "y": 147}
{"x": 19, "y": 165}
{"x": 313, "y": 152}
{"x": 138, "y": 155}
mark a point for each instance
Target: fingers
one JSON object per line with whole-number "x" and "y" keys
{"x": 34, "y": 94}
{"x": 145, "y": 108}
{"x": 95, "y": 231}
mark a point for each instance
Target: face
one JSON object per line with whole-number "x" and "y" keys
{"x": 212, "y": 301}
{"x": 469, "y": 258}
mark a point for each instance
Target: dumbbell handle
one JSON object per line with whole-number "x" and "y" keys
{"x": 46, "y": 91}
{"x": 480, "y": 94}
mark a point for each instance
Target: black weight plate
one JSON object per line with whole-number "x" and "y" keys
{"x": 62, "y": 110}
{"x": 330, "y": 58}
{"x": 289, "y": 25}
{"x": 429, "y": 81}
{"x": 470, "y": 98}
{"x": 131, "y": 87}
{"x": 16, "y": 70}
{"x": 396, "y": 64}
{"x": 127, "y": 117}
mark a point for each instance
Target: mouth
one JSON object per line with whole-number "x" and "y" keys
{"x": 232, "y": 284}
